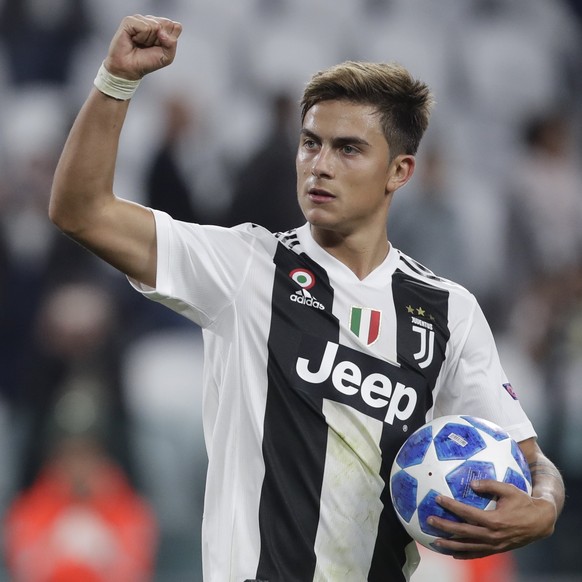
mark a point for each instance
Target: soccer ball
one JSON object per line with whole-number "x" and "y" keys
{"x": 442, "y": 458}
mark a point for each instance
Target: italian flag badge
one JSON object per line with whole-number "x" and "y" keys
{"x": 365, "y": 324}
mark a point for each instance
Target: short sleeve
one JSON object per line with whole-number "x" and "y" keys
{"x": 200, "y": 268}
{"x": 477, "y": 384}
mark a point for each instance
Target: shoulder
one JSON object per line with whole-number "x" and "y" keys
{"x": 417, "y": 270}
{"x": 416, "y": 273}
{"x": 246, "y": 232}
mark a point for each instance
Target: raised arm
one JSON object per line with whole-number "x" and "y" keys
{"x": 82, "y": 203}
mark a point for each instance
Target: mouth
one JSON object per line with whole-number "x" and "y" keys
{"x": 318, "y": 195}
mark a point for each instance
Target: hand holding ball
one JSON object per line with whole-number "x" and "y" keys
{"x": 443, "y": 457}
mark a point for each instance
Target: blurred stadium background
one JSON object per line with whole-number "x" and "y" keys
{"x": 99, "y": 388}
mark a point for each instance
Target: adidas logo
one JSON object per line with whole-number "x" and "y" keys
{"x": 303, "y": 297}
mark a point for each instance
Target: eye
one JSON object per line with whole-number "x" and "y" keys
{"x": 309, "y": 143}
{"x": 350, "y": 150}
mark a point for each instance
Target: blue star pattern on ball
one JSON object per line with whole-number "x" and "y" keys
{"x": 443, "y": 457}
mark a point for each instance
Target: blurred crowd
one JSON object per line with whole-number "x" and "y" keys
{"x": 101, "y": 444}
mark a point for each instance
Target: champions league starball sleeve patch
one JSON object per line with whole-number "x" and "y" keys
{"x": 510, "y": 390}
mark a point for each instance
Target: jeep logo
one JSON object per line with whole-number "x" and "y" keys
{"x": 376, "y": 390}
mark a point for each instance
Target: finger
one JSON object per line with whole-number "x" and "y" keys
{"x": 471, "y": 555}
{"x": 493, "y": 488}
{"x": 168, "y": 36}
{"x": 462, "y": 546}
{"x": 464, "y": 550}
{"x": 459, "y": 529}
{"x": 168, "y": 28}
{"x": 465, "y": 511}
{"x": 175, "y": 29}
{"x": 143, "y": 30}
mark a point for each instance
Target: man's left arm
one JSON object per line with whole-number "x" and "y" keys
{"x": 518, "y": 519}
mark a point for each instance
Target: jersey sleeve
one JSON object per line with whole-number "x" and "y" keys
{"x": 200, "y": 268}
{"x": 477, "y": 385}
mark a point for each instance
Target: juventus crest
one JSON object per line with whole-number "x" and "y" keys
{"x": 425, "y": 330}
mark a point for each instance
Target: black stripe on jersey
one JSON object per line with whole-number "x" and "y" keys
{"x": 430, "y": 305}
{"x": 288, "y": 238}
{"x": 418, "y": 268}
{"x": 295, "y": 430}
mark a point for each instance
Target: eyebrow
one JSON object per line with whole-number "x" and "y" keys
{"x": 337, "y": 141}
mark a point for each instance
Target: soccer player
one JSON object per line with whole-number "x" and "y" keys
{"x": 324, "y": 345}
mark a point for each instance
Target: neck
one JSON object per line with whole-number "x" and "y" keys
{"x": 360, "y": 253}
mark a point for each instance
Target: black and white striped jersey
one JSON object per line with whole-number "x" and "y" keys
{"x": 313, "y": 380}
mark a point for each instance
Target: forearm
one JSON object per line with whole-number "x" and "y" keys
{"x": 547, "y": 483}
{"x": 83, "y": 181}
{"x": 548, "y": 492}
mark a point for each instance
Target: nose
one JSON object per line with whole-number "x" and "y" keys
{"x": 322, "y": 165}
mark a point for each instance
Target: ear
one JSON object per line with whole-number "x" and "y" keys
{"x": 401, "y": 170}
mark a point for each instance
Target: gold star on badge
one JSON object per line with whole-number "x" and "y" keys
{"x": 420, "y": 311}
{"x": 410, "y": 309}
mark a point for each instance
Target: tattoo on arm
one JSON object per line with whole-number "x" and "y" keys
{"x": 548, "y": 480}
{"x": 543, "y": 468}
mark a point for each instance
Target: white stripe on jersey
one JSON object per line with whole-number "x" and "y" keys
{"x": 337, "y": 540}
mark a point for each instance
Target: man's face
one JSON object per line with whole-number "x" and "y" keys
{"x": 343, "y": 167}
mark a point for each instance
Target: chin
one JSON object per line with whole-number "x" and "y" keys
{"x": 319, "y": 221}
{"x": 326, "y": 226}
{"x": 317, "y": 216}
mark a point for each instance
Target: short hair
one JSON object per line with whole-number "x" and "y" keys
{"x": 403, "y": 103}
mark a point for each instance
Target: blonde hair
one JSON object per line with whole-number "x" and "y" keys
{"x": 403, "y": 103}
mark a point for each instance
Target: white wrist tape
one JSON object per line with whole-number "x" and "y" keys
{"x": 116, "y": 87}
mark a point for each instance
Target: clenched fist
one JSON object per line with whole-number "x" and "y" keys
{"x": 141, "y": 45}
